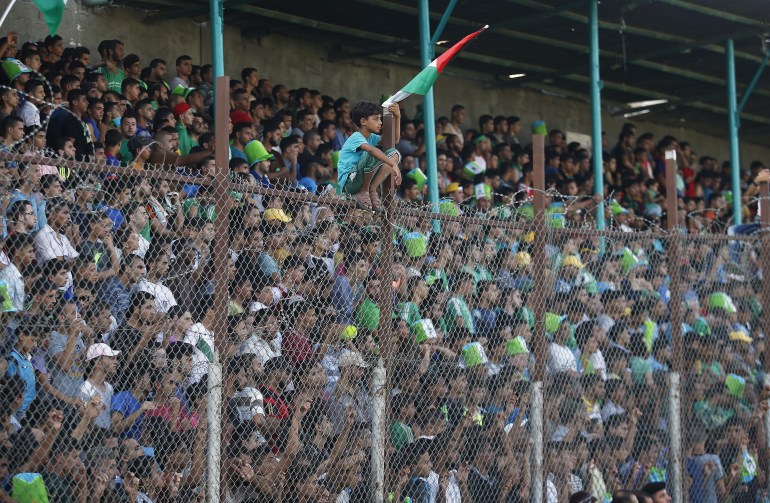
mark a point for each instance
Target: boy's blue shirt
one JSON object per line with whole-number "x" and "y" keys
{"x": 351, "y": 153}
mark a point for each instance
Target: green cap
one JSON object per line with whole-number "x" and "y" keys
{"x": 526, "y": 211}
{"x": 474, "y": 355}
{"x": 556, "y": 218}
{"x": 628, "y": 260}
{"x": 516, "y": 346}
{"x": 181, "y": 90}
{"x": 416, "y": 244}
{"x": 482, "y": 190}
{"x": 448, "y": 207}
{"x": 616, "y": 209}
{"x": 256, "y": 152}
{"x": 423, "y": 330}
{"x": 13, "y": 68}
{"x": 553, "y": 322}
{"x": 472, "y": 169}
{"x": 720, "y": 300}
{"x": 368, "y": 315}
{"x": 735, "y": 384}
{"x": 479, "y": 139}
{"x": 539, "y": 127}
{"x": 29, "y": 488}
{"x": 418, "y": 176}
{"x": 701, "y": 327}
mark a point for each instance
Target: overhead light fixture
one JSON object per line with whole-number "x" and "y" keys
{"x": 645, "y": 104}
{"x": 637, "y": 113}
{"x": 442, "y": 42}
{"x": 517, "y": 75}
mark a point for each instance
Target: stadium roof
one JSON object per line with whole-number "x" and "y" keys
{"x": 670, "y": 50}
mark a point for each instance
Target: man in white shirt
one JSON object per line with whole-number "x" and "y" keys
{"x": 50, "y": 241}
{"x": 21, "y": 251}
{"x": 560, "y": 357}
{"x": 29, "y": 111}
{"x": 183, "y": 72}
{"x": 202, "y": 339}
{"x": 157, "y": 262}
{"x": 101, "y": 362}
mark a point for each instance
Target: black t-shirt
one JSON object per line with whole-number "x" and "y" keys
{"x": 64, "y": 124}
{"x": 125, "y": 339}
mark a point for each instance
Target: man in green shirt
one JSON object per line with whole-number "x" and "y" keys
{"x": 184, "y": 120}
{"x": 128, "y": 131}
{"x": 112, "y": 54}
{"x": 403, "y": 411}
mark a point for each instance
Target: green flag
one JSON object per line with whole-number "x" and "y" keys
{"x": 53, "y": 11}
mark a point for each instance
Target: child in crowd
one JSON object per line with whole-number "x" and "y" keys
{"x": 361, "y": 167}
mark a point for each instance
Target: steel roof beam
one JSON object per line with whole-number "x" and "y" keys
{"x": 642, "y": 32}
{"x": 405, "y": 9}
{"x": 720, "y": 14}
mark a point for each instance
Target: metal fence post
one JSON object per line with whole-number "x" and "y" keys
{"x": 214, "y": 448}
{"x": 221, "y": 295}
{"x": 380, "y": 373}
{"x": 537, "y": 400}
{"x": 675, "y": 481}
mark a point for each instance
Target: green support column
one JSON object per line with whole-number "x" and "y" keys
{"x": 217, "y": 45}
{"x": 732, "y": 119}
{"x": 596, "y": 109}
{"x": 429, "y": 117}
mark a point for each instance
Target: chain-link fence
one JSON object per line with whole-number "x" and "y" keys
{"x": 176, "y": 333}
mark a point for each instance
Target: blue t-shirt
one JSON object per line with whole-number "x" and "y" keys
{"x": 351, "y": 153}
{"x": 485, "y": 321}
{"x": 125, "y": 403}
{"x": 261, "y": 179}
{"x": 20, "y": 366}
{"x": 115, "y": 215}
{"x": 703, "y": 490}
{"x": 237, "y": 154}
{"x": 309, "y": 184}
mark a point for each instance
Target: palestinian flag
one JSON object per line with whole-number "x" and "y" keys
{"x": 53, "y": 11}
{"x": 424, "y": 80}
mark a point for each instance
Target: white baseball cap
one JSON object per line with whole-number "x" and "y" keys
{"x": 249, "y": 403}
{"x": 101, "y": 349}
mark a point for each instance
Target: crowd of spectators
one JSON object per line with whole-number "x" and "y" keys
{"x": 107, "y": 288}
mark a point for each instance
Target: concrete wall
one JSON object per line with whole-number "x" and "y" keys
{"x": 296, "y": 62}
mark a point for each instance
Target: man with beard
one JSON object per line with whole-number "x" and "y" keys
{"x": 313, "y": 174}
{"x": 311, "y": 140}
{"x": 157, "y": 261}
{"x": 164, "y": 151}
{"x": 145, "y": 114}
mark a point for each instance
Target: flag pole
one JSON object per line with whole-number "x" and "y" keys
{"x": 6, "y": 12}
